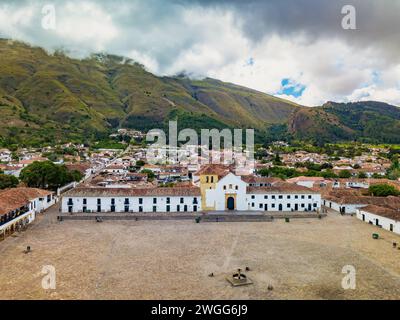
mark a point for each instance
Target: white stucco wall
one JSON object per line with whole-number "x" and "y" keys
{"x": 382, "y": 221}
{"x": 147, "y": 204}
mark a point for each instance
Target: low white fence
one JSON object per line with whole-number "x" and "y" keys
{"x": 67, "y": 187}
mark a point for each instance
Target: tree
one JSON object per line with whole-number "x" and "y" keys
{"x": 150, "y": 174}
{"x": 277, "y": 160}
{"x": 383, "y": 190}
{"x": 47, "y": 175}
{"x": 8, "y": 181}
{"x": 362, "y": 175}
{"x": 140, "y": 163}
{"x": 344, "y": 174}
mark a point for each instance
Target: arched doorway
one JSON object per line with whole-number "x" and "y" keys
{"x": 230, "y": 203}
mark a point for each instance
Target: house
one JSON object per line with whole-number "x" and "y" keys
{"x": 218, "y": 189}
{"x": 19, "y": 206}
{"x": 309, "y": 182}
{"x": 384, "y": 217}
{"x": 116, "y": 169}
{"x": 349, "y": 201}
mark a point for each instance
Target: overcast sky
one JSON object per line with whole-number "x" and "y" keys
{"x": 296, "y": 49}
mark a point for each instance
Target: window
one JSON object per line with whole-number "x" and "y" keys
{"x": 236, "y": 187}
{"x": 288, "y": 205}
{"x": 314, "y": 205}
{"x": 98, "y": 201}
{"x": 252, "y": 204}
{"x": 224, "y": 187}
{"x": 273, "y": 205}
{"x": 185, "y": 208}
{"x": 302, "y": 196}
{"x": 302, "y": 205}
{"x": 126, "y": 201}
{"x": 178, "y": 208}
{"x": 288, "y": 197}
{"x": 113, "y": 201}
{"x": 280, "y": 197}
{"x": 273, "y": 197}
{"x": 84, "y": 209}
{"x": 181, "y": 201}
{"x": 168, "y": 200}
{"x": 265, "y": 197}
{"x": 168, "y": 208}
{"x": 84, "y": 201}
{"x": 126, "y": 209}
{"x": 194, "y": 200}
{"x": 253, "y": 197}
{"x": 140, "y": 200}
{"x": 207, "y": 179}
{"x": 260, "y": 206}
{"x": 296, "y": 197}
{"x": 309, "y": 197}
{"x": 230, "y": 186}
{"x": 154, "y": 208}
{"x": 140, "y": 209}
{"x": 98, "y": 208}
{"x": 195, "y": 208}
{"x": 70, "y": 201}
{"x": 154, "y": 200}
{"x": 212, "y": 179}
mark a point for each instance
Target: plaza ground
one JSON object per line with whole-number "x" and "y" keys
{"x": 302, "y": 259}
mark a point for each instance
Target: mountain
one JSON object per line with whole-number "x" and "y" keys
{"x": 48, "y": 97}
{"x": 366, "y": 121}
{"x": 52, "y": 97}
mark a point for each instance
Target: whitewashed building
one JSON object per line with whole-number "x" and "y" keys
{"x": 218, "y": 189}
{"x": 383, "y": 217}
{"x": 127, "y": 200}
{"x": 19, "y": 206}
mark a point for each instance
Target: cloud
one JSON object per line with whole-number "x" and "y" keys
{"x": 253, "y": 43}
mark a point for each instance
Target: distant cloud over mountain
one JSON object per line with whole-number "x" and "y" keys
{"x": 296, "y": 49}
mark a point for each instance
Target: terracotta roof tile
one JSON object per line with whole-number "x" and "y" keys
{"x": 15, "y": 198}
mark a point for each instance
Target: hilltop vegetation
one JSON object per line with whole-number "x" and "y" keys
{"x": 52, "y": 98}
{"x": 369, "y": 122}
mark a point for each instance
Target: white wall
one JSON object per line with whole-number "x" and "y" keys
{"x": 147, "y": 204}
{"x": 288, "y": 201}
{"x": 217, "y": 196}
{"x": 244, "y": 201}
{"x": 349, "y": 208}
{"x": 383, "y": 221}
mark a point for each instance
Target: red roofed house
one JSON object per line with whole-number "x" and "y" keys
{"x": 18, "y": 207}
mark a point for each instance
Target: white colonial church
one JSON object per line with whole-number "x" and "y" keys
{"x": 215, "y": 188}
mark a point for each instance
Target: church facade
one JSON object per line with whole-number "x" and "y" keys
{"x": 216, "y": 188}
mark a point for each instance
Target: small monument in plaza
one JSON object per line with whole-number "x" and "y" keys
{"x": 239, "y": 279}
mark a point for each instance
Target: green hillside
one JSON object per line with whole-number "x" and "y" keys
{"x": 367, "y": 121}
{"x": 48, "y": 98}
{"x": 51, "y": 97}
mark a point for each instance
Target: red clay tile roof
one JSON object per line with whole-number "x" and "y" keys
{"x": 383, "y": 211}
{"x": 15, "y": 198}
{"x": 133, "y": 192}
{"x": 281, "y": 187}
{"x": 214, "y": 169}
{"x": 256, "y": 179}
